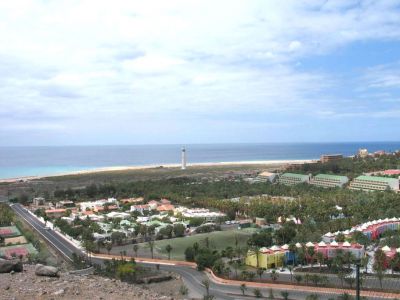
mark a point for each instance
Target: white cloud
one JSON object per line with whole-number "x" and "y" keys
{"x": 81, "y": 61}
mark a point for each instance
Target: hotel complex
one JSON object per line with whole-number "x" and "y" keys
{"x": 292, "y": 178}
{"x": 326, "y": 180}
{"x": 363, "y": 182}
{"x": 374, "y": 183}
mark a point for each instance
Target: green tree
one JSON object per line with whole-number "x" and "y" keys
{"x": 243, "y": 288}
{"x": 136, "y": 249}
{"x": 274, "y": 275}
{"x": 285, "y": 295}
{"x": 168, "y": 248}
{"x": 257, "y": 293}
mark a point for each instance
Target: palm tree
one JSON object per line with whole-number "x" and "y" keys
{"x": 151, "y": 246}
{"x": 256, "y": 252}
{"x": 290, "y": 268}
{"x": 236, "y": 266}
{"x": 168, "y": 248}
{"x": 320, "y": 259}
{"x": 348, "y": 257}
{"x": 109, "y": 247}
{"x": 260, "y": 272}
{"x": 274, "y": 275}
{"x": 136, "y": 249}
{"x": 206, "y": 285}
{"x": 243, "y": 288}
{"x": 364, "y": 262}
{"x": 298, "y": 278}
{"x": 285, "y": 295}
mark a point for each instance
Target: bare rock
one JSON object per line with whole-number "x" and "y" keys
{"x": 7, "y": 266}
{"x": 49, "y": 271}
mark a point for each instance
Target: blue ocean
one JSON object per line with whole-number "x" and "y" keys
{"x": 36, "y": 161}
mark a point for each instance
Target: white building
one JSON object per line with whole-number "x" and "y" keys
{"x": 115, "y": 214}
{"x": 199, "y": 213}
{"x": 90, "y": 205}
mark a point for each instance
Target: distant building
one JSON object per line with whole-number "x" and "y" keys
{"x": 362, "y": 153}
{"x": 330, "y": 157}
{"x": 374, "y": 183}
{"x": 292, "y": 178}
{"x": 141, "y": 208}
{"x": 65, "y": 203}
{"x": 131, "y": 200}
{"x": 55, "y": 213}
{"x": 38, "y": 201}
{"x": 183, "y": 158}
{"x": 391, "y": 172}
{"x": 266, "y": 176}
{"x": 326, "y": 180}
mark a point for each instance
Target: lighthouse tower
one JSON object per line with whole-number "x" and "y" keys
{"x": 183, "y": 158}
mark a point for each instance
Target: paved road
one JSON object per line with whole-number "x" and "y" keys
{"x": 55, "y": 239}
{"x": 192, "y": 278}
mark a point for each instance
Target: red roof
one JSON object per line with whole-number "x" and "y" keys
{"x": 57, "y": 210}
{"x": 166, "y": 207}
{"x": 391, "y": 172}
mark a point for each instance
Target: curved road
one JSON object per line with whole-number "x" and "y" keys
{"x": 192, "y": 278}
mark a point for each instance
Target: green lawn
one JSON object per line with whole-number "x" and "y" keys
{"x": 218, "y": 240}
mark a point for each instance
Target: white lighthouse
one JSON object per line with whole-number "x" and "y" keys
{"x": 183, "y": 158}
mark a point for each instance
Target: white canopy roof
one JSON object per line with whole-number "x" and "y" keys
{"x": 386, "y": 248}
{"x": 310, "y": 244}
{"x": 334, "y": 244}
{"x": 274, "y": 248}
{"x": 346, "y": 244}
{"x": 298, "y": 245}
{"x": 285, "y": 247}
{"x": 322, "y": 244}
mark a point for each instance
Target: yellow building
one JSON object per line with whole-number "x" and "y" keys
{"x": 267, "y": 258}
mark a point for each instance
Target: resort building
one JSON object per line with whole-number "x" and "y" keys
{"x": 266, "y": 176}
{"x": 372, "y": 229}
{"x": 141, "y": 208}
{"x": 330, "y": 157}
{"x": 90, "y": 205}
{"x": 374, "y": 183}
{"x": 276, "y": 257}
{"x": 38, "y": 201}
{"x": 267, "y": 258}
{"x": 362, "y": 153}
{"x": 55, "y": 213}
{"x": 328, "y": 181}
{"x": 292, "y": 178}
{"x": 131, "y": 200}
{"x": 199, "y": 213}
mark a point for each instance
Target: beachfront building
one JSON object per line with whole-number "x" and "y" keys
{"x": 328, "y": 181}
{"x": 374, "y": 183}
{"x": 330, "y": 157}
{"x": 292, "y": 178}
{"x": 362, "y": 153}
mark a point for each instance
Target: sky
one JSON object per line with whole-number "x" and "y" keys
{"x": 159, "y": 72}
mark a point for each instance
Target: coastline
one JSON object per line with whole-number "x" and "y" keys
{"x": 153, "y": 166}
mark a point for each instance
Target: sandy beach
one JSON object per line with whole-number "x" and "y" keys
{"x": 126, "y": 168}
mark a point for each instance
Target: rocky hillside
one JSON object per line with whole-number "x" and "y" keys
{"x": 27, "y": 285}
